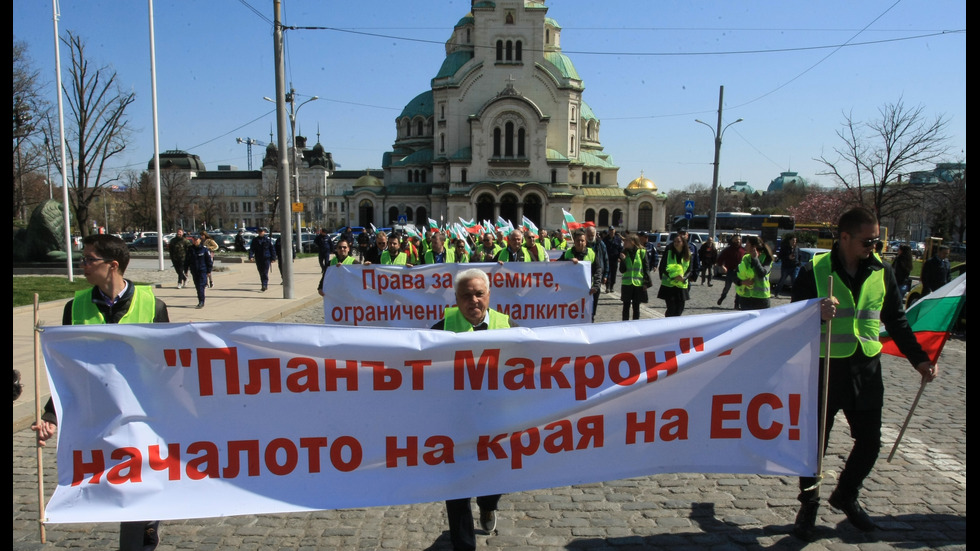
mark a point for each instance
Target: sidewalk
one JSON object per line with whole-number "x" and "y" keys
{"x": 236, "y": 296}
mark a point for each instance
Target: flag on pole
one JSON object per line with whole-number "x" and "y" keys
{"x": 932, "y": 318}
{"x": 471, "y": 226}
{"x": 570, "y": 222}
{"x": 433, "y": 224}
{"x": 411, "y": 231}
{"x": 529, "y": 226}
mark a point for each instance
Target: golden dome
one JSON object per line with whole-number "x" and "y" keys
{"x": 642, "y": 183}
{"x": 368, "y": 181}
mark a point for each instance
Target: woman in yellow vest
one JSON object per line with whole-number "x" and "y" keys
{"x": 675, "y": 271}
{"x": 753, "y": 275}
{"x": 636, "y": 277}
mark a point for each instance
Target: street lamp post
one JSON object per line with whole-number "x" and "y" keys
{"x": 718, "y": 133}
{"x": 293, "y": 111}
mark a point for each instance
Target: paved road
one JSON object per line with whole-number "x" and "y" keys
{"x": 919, "y": 499}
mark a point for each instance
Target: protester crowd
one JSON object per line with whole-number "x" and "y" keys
{"x": 865, "y": 289}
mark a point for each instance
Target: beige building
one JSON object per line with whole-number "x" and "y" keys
{"x": 503, "y": 131}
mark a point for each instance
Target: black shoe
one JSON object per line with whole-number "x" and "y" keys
{"x": 722, "y": 299}
{"x": 264, "y": 287}
{"x": 488, "y": 520}
{"x": 200, "y": 305}
{"x": 854, "y": 512}
{"x": 806, "y": 521}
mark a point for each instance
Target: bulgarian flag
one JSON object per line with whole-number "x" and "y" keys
{"x": 932, "y": 318}
{"x": 529, "y": 226}
{"x": 433, "y": 225}
{"x": 471, "y": 226}
{"x": 570, "y": 222}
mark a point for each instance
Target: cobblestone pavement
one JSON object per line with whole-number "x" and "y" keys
{"x": 919, "y": 499}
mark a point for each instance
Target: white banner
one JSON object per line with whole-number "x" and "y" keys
{"x": 533, "y": 294}
{"x": 213, "y": 419}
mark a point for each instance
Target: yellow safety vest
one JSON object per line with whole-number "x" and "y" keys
{"x": 668, "y": 279}
{"x": 142, "y": 308}
{"x": 760, "y": 285}
{"x": 633, "y": 276}
{"x": 854, "y": 323}
{"x": 455, "y": 322}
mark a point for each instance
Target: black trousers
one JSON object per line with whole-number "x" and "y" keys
{"x": 866, "y": 431}
{"x": 461, "y": 530}
{"x": 139, "y": 536}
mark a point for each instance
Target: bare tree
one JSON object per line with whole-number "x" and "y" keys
{"x": 875, "y": 154}
{"x": 28, "y": 152}
{"x": 176, "y": 205}
{"x": 209, "y": 205}
{"x": 140, "y": 201}
{"x": 96, "y": 132}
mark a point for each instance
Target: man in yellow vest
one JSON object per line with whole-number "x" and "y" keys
{"x": 438, "y": 253}
{"x": 471, "y": 313}
{"x": 865, "y": 294}
{"x": 112, "y": 299}
{"x": 342, "y": 258}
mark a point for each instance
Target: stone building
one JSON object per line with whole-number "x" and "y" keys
{"x": 504, "y": 131}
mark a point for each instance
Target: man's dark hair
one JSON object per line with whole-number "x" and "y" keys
{"x": 109, "y": 248}
{"x": 577, "y": 233}
{"x": 852, "y": 220}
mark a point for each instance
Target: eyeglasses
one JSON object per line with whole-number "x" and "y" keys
{"x": 86, "y": 260}
{"x": 868, "y": 243}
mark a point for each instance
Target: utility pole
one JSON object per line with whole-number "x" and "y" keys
{"x": 285, "y": 205}
{"x": 718, "y": 131}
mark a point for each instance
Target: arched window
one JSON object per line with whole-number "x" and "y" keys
{"x": 520, "y": 143}
{"x": 462, "y": 175}
{"x": 510, "y": 50}
{"x": 442, "y": 143}
{"x": 591, "y": 178}
{"x": 411, "y": 176}
{"x": 422, "y": 173}
{"x": 585, "y": 178}
{"x": 496, "y": 142}
{"x": 509, "y": 139}
{"x": 571, "y": 145}
{"x": 554, "y": 176}
{"x": 547, "y": 36}
{"x": 408, "y": 214}
{"x": 517, "y": 51}
{"x": 420, "y": 129}
{"x": 421, "y": 215}
{"x": 590, "y": 215}
{"x": 603, "y": 217}
{"x": 392, "y": 215}
{"x": 598, "y": 178}
{"x": 500, "y": 50}
{"x": 645, "y": 218}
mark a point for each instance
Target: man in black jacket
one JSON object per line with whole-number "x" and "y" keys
{"x": 864, "y": 292}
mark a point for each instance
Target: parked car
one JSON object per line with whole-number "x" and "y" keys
{"x": 308, "y": 243}
{"x": 148, "y": 243}
{"x": 225, "y": 241}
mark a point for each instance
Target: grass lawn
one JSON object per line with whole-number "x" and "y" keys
{"x": 47, "y": 288}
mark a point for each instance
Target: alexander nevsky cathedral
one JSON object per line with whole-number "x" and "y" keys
{"x": 505, "y": 130}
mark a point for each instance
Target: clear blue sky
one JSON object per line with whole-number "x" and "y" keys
{"x": 650, "y": 69}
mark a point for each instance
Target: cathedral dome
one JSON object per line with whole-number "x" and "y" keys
{"x": 368, "y": 181}
{"x": 176, "y": 158}
{"x": 642, "y": 184}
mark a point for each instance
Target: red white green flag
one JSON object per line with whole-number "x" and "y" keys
{"x": 570, "y": 222}
{"x": 932, "y": 318}
{"x": 471, "y": 226}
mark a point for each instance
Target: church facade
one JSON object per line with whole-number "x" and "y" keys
{"x": 504, "y": 130}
